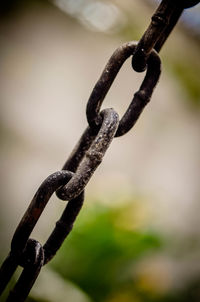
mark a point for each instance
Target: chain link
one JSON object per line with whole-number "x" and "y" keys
{"x": 69, "y": 183}
{"x": 162, "y": 23}
{"x": 141, "y": 97}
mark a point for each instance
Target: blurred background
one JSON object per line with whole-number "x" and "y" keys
{"x": 137, "y": 237}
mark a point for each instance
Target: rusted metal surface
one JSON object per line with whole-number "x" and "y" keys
{"x": 32, "y": 260}
{"x": 141, "y": 97}
{"x": 162, "y": 23}
{"x": 69, "y": 183}
{"x": 89, "y": 153}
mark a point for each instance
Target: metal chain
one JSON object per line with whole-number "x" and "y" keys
{"x": 69, "y": 183}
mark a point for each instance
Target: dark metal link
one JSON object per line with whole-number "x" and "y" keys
{"x": 104, "y": 83}
{"x": 181, "y": 4}
{"x": 36, "y": 207}
{"x": 187, "y": 3}
{"x": 7, "y": 269}
{"x": 141, "y": 98}
{"x": 162, "y": 23}
{"x": 63, "y": 227}
{"x": 167, "y": 30}
{"x": 159, "y": 22}
{"x": 89, "y": 153}
{"x": 29, "y": 253}
{"x": 32, "y": 260}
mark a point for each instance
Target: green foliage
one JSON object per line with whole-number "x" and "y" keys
{"x": 100, "y": 254}
{"x": 188, "y": 75}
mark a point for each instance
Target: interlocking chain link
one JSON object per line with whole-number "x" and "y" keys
{"x": 162, "y": 22}
{"x": 70, "y": 182}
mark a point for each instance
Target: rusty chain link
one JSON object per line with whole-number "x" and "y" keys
{"x": 69, "y": 183}
{"x": 162, "y": 22}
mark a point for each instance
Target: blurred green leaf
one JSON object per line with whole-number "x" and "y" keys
{"x": 100, "y": 254}
{"x": 189, "y": 78}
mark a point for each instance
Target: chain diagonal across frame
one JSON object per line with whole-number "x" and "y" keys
{"x": 70, "y": 182}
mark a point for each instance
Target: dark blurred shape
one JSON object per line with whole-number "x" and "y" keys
{"x": 8, "y": 6}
